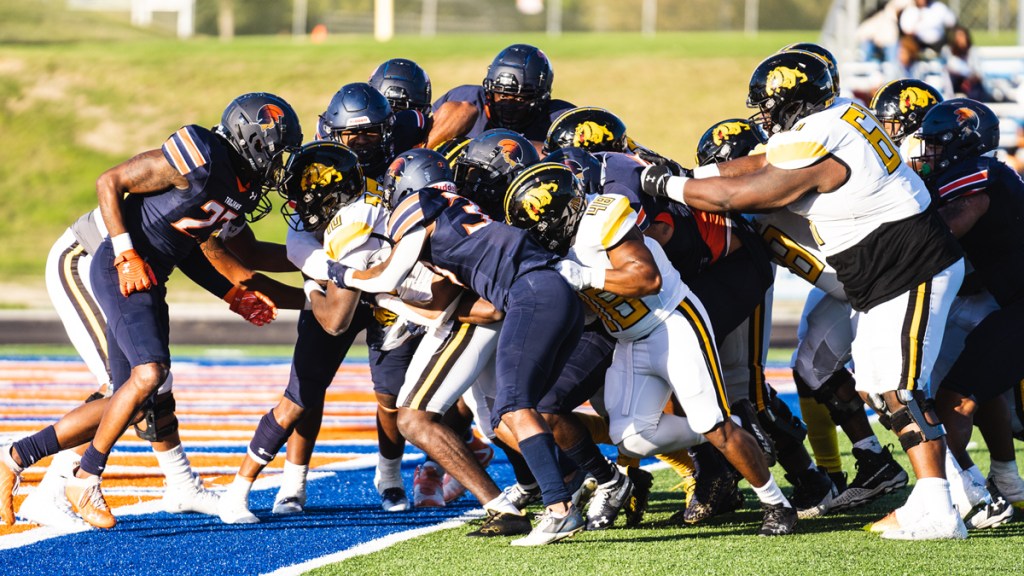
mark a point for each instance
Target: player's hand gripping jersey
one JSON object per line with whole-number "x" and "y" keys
{"x": 605, "y": 223}
{"x": 874, "y": 229}
{"x": 466, "y": 246}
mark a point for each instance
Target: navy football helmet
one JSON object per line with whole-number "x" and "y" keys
{"x": 415, "y": 170}
{"x": 584, "y": 165}
{"x": 950, "y": 132}
{"x": 789, "y": 86}
{"x": 318, "y": 180}
{"x": 901, "y": 105}
{"x": 453, "y": 149}
{"x": 518, "y": 86}
{"x": 728, "y": 140}
{"x": 587, "y": 127}
{"x": 547, "y": 200}
{"x": 489, "y": 164}
{"x": 260, "y": 127}
{"x": 360, "y": 117}
{"x": 988, "y": 124}
{"x": 405, "y": 84}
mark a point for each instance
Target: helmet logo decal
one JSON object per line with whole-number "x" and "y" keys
{"x": 591, "y": 132}
{"x": 783, "y": 77}
{"x": 511, "y": 152}
{"x": 912, "y": 98}
{"x": 396, "y": 169}
{"x": 964, "y": 115}
{"x": 269, "y": 115}
{"x": 725, "y": 130}
{"x": 318, "y": 175}
{"x": 535, "y": 200}
{"x": 357, "y": 121}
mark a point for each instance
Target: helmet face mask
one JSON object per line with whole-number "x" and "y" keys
{"x": 949, "y": 133}
{"x": 901, "y": 106}
{"x": 547, "y": 201}
{"x": 488, "y": 165}
{"x": 260, "y": 127}
{"x": 518, "y": 86}
{"x": 360, "y": 117}
{"x": 789, "y": 86}
{"x": 318, "y": 180}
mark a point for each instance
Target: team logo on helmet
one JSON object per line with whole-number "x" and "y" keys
{"x": 964, "y": 115}
{"x": 912, "y": 98}
{"x": 511, "y": 152}
{"x": 724, "y": 131}
{"x": 535, "y": 200}
{"x": 269, "y": 115}
{"x": 396, "y": 169}
{"x": 318, "y": 175}
{"x": 591, "y": 132}
{"x": 783, "y": 77}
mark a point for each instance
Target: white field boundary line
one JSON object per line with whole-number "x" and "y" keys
{"x": 392, "y": 539}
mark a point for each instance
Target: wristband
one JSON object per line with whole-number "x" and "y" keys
{"x": 121, "y": 243}
{"x": 674, "y": 188}
{"x": 708, "y": 171}
{"x": 310, "y": 286}
{"x": 597, "y": 278}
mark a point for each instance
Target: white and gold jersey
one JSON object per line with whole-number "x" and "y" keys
{"x": 605, "y": 223}
{"x": 880, "y": 188}
{"x": 788, "y": 236}
{"x": 356, "y": 231}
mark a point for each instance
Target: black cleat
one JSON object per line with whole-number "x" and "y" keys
{"x": 779, "y": 520}
{"x": 636, "y": 506}
{"x": 877, "y": 474}
{"x": 607, "y": 501}
{"x": 813, "y": 492}
{"x": 711, "y": 497}
{"x": 839, "y": 479}
{"x": 503, "y": 524}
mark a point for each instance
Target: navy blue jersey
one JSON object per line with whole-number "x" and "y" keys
{"x": 468, "y": 247}
{"x": 165, "y": 227}
{"x": 620, "y": 174}
{"x": 410, "y": 130}
{"x": 474, "y": 94}
{"x": 995, "y": 244}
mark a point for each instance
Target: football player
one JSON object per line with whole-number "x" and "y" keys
{"x": 407, "y": 87}
{"x": 899, "y": 264}
{"x": 177, "y": 196}
{"x": 543, "y": 321}
{"x": 515, "y": 94}
{"x": 982, "y": 200}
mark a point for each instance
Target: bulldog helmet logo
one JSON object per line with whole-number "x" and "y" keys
{"x": 724, "y": 131}
{"x": 318, "y": 175}
{"x": 537, "y": 199}
{"x": 914, "y": 98}
{"x": 782, "y": 78}
{"x": 591, "y": 132}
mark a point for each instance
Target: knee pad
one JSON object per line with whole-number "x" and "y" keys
{"x": 779, "y": 420}
{"x": 158, "y": 420}
{"x": 829, "y": 395}
{"x": 744, "y": 411}
{"x": 913, "y": 407}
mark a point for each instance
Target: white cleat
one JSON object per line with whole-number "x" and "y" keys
{"x": 930, "y": 526}
{"x": 989, "y": 514}
{"x": 291, "y": 501}
{"x": 192, "y": 497}
{"x": 451, "y": 488}
{"x": 48, "y": 506}
{"x": 234, "y": 509}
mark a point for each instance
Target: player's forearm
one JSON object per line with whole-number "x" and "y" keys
{"x": 334, "y": 308}
{"x": 388, "y": 275}
{"x": 632, "y": 281}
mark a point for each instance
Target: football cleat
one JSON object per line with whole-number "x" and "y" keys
{"x": 290, "y": 499}
{"x": 87, "y": 501}
{"x": 193, "y": 497}
{"x": 10, "y": 479}
{"x": 711, "y": 497}
{"x": 636, "y": 505}
{"x": 930, "y": 526}
{"x": 813, "y": 492}
{"x": 521, "y": 497}
{"x": 839, "y": 480}
{"x": 503, "y": 524}
{"x": 991, "y": 512}
{"x": 48, "y": 506}
{"x": 451, "y": 488}
{"x": 877, "y": 474}
{"x": 552, "y": 528}
{"x": 608, "y": 499}
{"x": 779, "y": 520}
{"x": 1011, "y": 487}
{"x": 582, "y": 487}
{"x": 427, "y": 489}
{"x": 888, "y": 522}
{"x": 394, "y": 500}
{"x": 233, "y": 507}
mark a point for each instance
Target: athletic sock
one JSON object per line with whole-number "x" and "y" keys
{"x": 175, "y": 466}
{"x": 932, "y": 494}
{"x": 821, "y": 434}
{"x": 770, "y": 493}
{"x": 680, "y": 461}
{"x": 501, "y": 504}
{"x": 387, "y": 475}
{"x": 589, "y": 458}
{"x": 870, "y": 443}
{"x": 34, "y": 448}
{"x": 1001, "y": 469}
{"x": 539, "y": 453}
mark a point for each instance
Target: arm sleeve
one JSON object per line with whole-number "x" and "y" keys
{"x": 200, "y": 271}
{"x": 306, "y": 253}
{"x": 403, "y": 257}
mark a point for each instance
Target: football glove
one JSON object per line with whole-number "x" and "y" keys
{"x": 336, "y": 272}
{"x": 133, "y": 273}
{"x": 654, "y": 180}
{"x": 251, "y": 305}
{"x": 577, "y": 276}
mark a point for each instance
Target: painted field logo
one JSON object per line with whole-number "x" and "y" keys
{"x": 724, "y": 131}
{"x": 783, "y": 77}
{"x": 913, "y": 98}
{"x": 535, "y": 200}
{"x": 591, "y": 132}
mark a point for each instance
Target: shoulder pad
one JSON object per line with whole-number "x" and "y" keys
{"x": 607, "y": 220}
{"x": 187, "y": 150}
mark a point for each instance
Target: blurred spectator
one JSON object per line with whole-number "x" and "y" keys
{"x": 879, "y": 33}
{"x": 909, "y": 64}
{"x": 962, "y": 65}
{"x": 928, "y": 22}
